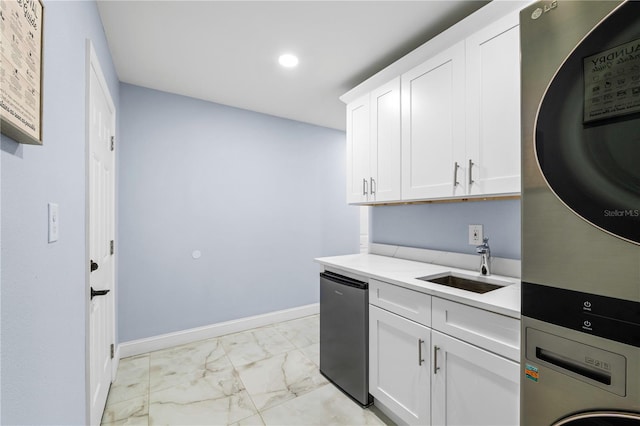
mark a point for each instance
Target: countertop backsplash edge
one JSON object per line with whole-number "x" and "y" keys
{"x": 499, "y": 265}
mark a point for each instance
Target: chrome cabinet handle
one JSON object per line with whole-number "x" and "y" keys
{"x": 471, "y": 163}
{"x": 435, "y": 359}
{"x": 420, "y": 359}
{"x": 456, "y": 166}
{"x": 365, "y": 190}
{"x": 373, "y": 186}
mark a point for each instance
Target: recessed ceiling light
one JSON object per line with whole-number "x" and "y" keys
{"x": 288, "y": 60}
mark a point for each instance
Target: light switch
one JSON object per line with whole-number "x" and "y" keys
{"x": 475, "y": 235}
{"x": 54, "y": 219}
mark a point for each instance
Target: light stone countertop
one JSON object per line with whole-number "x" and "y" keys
{"x": 404, "y": 273}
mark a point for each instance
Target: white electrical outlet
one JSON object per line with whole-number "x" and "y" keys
{"x": 54, "y": 227}
{"x": 475, "y": 235}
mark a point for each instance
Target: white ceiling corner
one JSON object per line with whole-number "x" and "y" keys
{"x": 227, "y": 51}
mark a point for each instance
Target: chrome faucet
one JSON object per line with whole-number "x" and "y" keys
{"x": 485, "y": 260}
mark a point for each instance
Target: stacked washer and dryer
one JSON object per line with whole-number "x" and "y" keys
{"x": 581, "y": 213}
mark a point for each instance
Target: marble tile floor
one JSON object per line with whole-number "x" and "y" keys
{"x": 265, "y": 376}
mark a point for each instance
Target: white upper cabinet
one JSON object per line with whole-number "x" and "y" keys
{"x": 358, "y": 132}
{"x": 373, "y": 146}
{"x": 385, "y": 142}
{"x": 493, "y": 108}
{"x": 433, "y": 127}
{"x": 447, "y": 128}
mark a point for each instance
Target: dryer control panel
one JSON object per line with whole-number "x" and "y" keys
{"x": 602, "y": 316}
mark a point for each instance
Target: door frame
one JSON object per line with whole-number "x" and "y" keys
{"x": 92, "y": 62}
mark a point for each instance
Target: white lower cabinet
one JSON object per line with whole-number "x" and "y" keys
{"x": 399, "y": 365}
{"x": 425, "y": 375}
{"x": 471, "y": 386}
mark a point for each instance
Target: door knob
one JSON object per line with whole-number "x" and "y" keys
{"x": 95, "y": 293}
{"x": 94, "y": 265}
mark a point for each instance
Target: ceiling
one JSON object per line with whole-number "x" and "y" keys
{"x": 227, "y": 51}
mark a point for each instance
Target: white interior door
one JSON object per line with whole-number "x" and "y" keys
{"x": 101, "y": 122}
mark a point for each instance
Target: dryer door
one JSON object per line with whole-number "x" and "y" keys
{"x": 601, "y": 418}
{"x": 588, "y": 127}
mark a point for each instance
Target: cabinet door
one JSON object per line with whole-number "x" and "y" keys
{"x": 358, "y": 128}
{"x": 493, "y": 108}
{"x": 471, "y": 386}
{"x": 433, "y": 127}
{"x": 399, "y": 365}
{"x": 385, "y": 142}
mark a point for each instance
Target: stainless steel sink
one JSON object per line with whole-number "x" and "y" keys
{"x": 464, "y": 283}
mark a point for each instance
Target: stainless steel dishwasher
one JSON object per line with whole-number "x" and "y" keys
{"x": 344, "y": 334}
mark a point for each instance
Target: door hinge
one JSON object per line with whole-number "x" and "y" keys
{"x": 112, "y": 249}
{"x": 112, "y": 351}
{"x": 113, "y": 142}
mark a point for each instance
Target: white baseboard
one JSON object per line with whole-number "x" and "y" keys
{"x": 164, "y": 341}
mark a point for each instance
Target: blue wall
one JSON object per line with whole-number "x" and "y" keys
{"x": 43, "y": 285}
{"x": 257, "y": 195}
{"x": 445, "y": 226}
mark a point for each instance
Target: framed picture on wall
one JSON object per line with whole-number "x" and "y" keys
{"x": 21, "y": 70}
